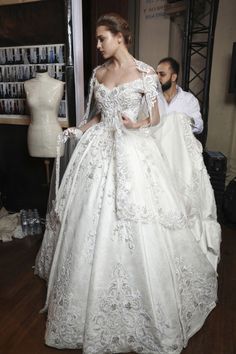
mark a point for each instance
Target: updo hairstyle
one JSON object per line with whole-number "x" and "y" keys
{"x": 115, "y": 24}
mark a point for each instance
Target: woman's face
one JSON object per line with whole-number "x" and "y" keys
{"x": 107, "y": 42}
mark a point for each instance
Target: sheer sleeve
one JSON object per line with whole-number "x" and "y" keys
{"x": 151, "y": 91}
{"x": 91, "y": 108}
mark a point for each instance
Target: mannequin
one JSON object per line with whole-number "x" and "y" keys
{"x": 43, "y": 95}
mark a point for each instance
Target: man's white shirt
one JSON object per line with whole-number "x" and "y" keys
{"x": 182, "y": 102}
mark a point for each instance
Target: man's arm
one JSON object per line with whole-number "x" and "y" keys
{"x": 193, "y": 111}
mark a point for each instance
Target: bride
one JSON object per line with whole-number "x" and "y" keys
{"x": 131, "y": 243}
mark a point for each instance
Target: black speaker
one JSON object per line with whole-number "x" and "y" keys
{"x": 232, "y": 83}
{"x": 216, "y": 164}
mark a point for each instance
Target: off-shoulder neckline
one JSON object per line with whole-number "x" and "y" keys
{"x": 119, "y": 85}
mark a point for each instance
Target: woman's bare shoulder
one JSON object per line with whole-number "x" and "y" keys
{"x": 100, "y": 72}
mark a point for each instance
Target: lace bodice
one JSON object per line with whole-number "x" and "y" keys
{"x": 124, "y": 99}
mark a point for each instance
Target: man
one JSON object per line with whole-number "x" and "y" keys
{"x": 174, "y": 99}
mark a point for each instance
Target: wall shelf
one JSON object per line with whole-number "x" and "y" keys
{"x": 19, "y": 64}
{"x": 14, "y": 119}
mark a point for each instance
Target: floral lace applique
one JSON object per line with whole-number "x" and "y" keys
{"x": 100, "y": 152}
{"x": 123, "y": 233}
{"x": 121, "y": 320}
{"x": 45, "y": 255}
{"x": 88, "y": 247}
{"x": 197, "y": 291}
{"x": 64, "y": 313}
{"x": 171, "y": 219}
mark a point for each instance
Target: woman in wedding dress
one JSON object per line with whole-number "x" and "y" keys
{"x": 131, "y": 243}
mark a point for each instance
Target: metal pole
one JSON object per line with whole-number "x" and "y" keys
{"x": 69, "y": 66}
{"x": 186, "y": 46}
{"x": 205, "y": 106}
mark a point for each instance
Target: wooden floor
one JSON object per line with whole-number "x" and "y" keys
{"x": 22, "y": 296}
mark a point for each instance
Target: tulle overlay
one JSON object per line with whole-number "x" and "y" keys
{"x": 132, "y": 243}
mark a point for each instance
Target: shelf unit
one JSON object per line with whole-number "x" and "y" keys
{"x": 18, "y": 64}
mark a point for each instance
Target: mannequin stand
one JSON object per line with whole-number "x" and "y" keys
{"x": 47, "y": 164}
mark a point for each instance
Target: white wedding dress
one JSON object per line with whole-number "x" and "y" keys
{"x": 132, "y": 243}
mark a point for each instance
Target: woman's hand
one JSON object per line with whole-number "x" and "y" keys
{"x": 73, "y": 132}
{"x": 128, "y": 123}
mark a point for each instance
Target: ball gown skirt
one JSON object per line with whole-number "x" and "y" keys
{"x": 129, "y": 255}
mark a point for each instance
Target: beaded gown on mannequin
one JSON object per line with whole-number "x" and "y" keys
{"x": 132, "y": 243}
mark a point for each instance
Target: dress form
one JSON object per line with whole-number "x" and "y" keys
{"x": 43, "y": 95}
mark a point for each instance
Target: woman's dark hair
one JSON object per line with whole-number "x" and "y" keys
{"x": 115, "y": 24}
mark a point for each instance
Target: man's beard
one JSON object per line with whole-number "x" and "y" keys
{"x": 166, "y": 85}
